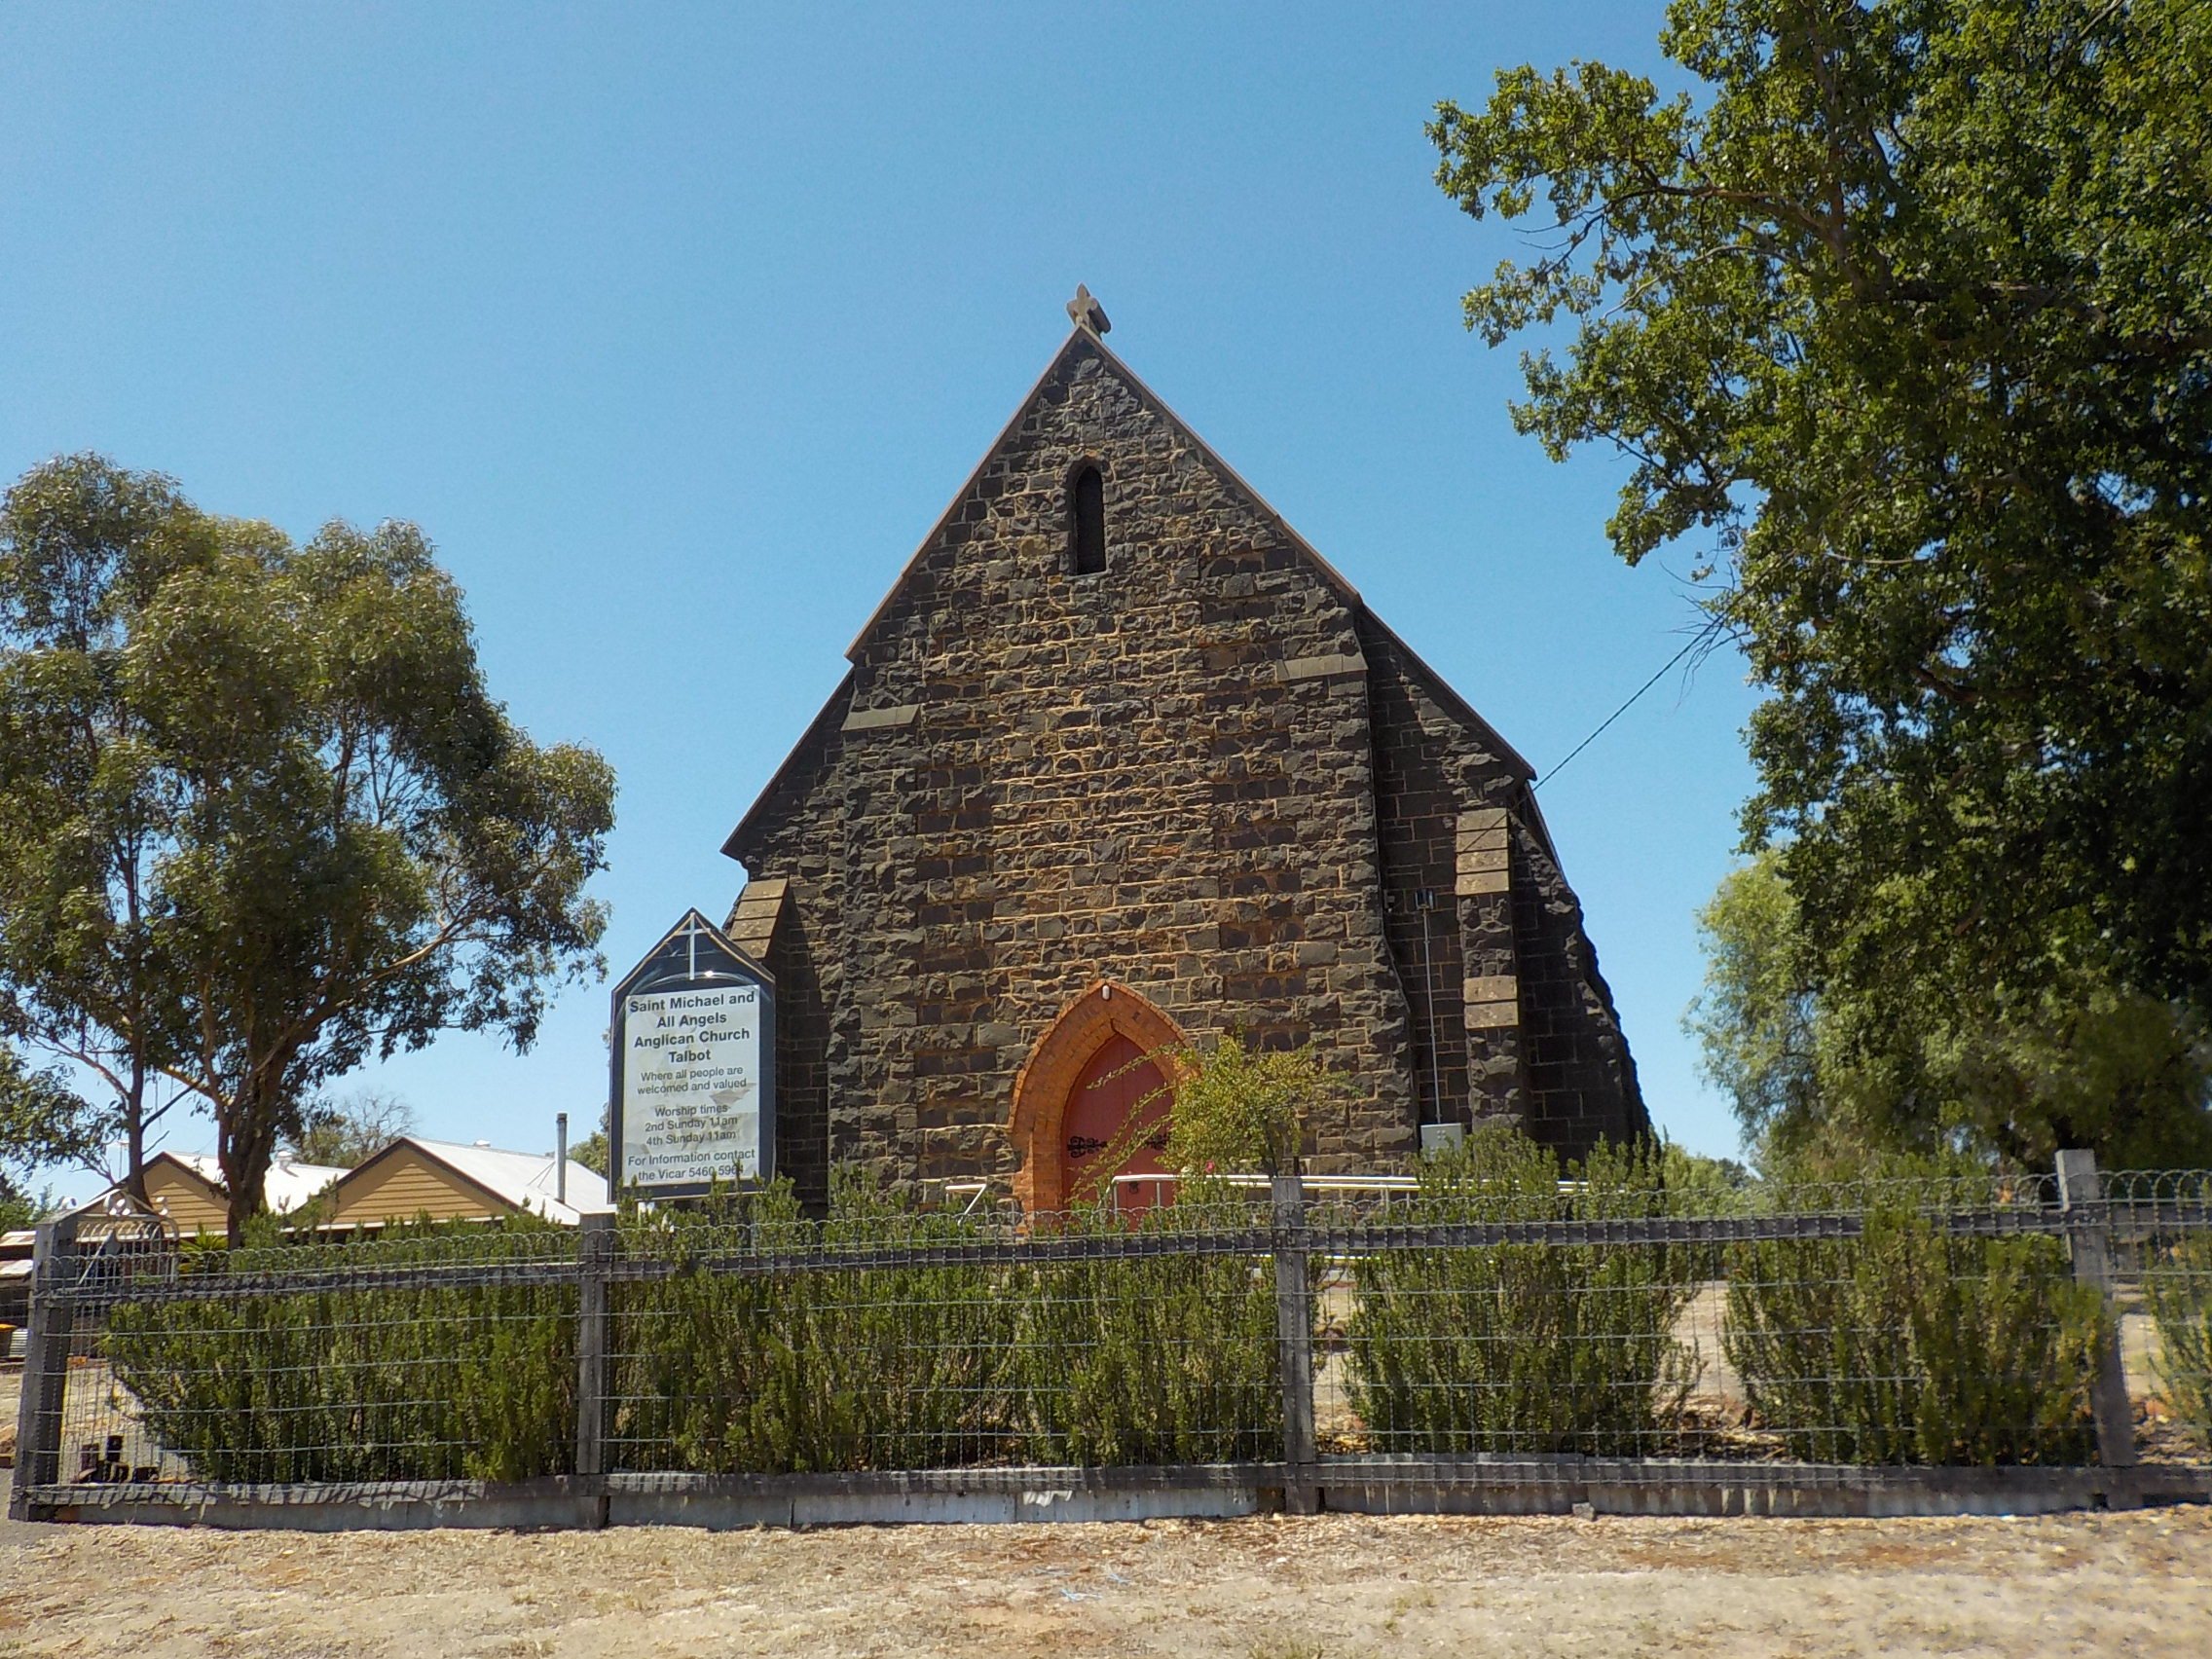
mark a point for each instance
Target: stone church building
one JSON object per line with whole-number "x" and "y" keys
{"x": 1121, "y": 762}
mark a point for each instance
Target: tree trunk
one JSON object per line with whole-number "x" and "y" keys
{"x": 245, "y": 1136}
{"x": 244, "y": 1148}
{"x": 135, "y": 1132}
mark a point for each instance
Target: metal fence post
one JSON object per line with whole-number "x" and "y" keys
{"x": 2080, "y": 1189}
{"x": 595, "y": 1254}
{"x": 46, "y": 1365}
{"x": 1293, "y": 1342}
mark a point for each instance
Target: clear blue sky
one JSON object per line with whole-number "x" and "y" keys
{"x": 675, "y": 328}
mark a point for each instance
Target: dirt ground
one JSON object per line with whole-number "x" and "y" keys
{"x": 1271, "y": 1588}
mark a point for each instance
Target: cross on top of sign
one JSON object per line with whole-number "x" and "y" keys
{"x": 692, "y": 930}
{"x": 695, "y": 951}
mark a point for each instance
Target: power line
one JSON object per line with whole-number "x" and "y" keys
{"x": 1696, "y": 641}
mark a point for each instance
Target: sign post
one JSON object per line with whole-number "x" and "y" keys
{"x": 694, "y": 1064}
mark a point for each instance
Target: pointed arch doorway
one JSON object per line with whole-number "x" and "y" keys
{"x": 1069, "y": 1105}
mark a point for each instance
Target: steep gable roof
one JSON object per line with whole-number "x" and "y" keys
{"x": 1082, "y": 340}
{"x": 819, "y": 730}
{"x": 1437, "y": 687}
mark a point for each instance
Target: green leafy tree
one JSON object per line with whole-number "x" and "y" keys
{"x": 1904, "y": 316}
{"x": 43, "y": 1124}
{"x": 85, "y": 804}
{"x": 1233, "y": 1110}
{"x": 592, "y": 1151}
{"x": 17, "y": 1208}
{"x": 1755, "y": 1018}
{"x": 345, "y": 1131}
{"x": 350, "y": 847}
{"x": 1818, "y": 1075}
{"x": 2076, "y": 1061}
{"x": 1241, "y": 1109}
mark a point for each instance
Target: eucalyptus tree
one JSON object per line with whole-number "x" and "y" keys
{"x": 1902, "y": 320}
{"x": 345, "y": 1131}
{"x": 43, "y": 1123}
{"x": 349, "y": 847}
{"x": 86, "y": 803}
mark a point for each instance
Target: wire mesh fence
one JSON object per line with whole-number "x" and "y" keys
{"x": 1926, "y": 1322}
{"x": 887, "y": 1339}
{"x": 1481, "y": 1319}
{"x": 2160, "y": 1236}
{"x": 431, "y": 1356}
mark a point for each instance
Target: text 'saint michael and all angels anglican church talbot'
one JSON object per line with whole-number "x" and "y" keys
{"x": 1122, "y": 763}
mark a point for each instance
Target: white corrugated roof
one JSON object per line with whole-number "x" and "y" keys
{"x": 285, "y": 1188}
{"x": 525, "y": 1179}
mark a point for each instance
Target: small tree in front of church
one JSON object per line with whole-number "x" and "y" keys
{"x": 1169, "y": 1358}
{"x": 1231, "y": 1110}
{"x": 1240, "y": 1110}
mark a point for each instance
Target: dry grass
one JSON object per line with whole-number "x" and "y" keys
{"x": 1332, "y": 1587}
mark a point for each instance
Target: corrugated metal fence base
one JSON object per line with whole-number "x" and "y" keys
{"x": 1689, "y": 1485}
{"x": 370, "y": 1506}
{"x": 1371, "y": 1486}
{"x": 940, "y": 1496}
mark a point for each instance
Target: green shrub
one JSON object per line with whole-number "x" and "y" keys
{"x": 1907, "y": 1345}
{"x": 1147, "y": 1359}
{"x": 1521, "y": 1348}
{"x": 1239, "y": 1109}
{"x": 905, "y": 1365}
{"x": 2177, "y": 1285}
{"x": 1150, "y": 1359}
{"x": 876, "y": 1368}
{"x": 1913, "y": 1345}
{"x": 342, "y": 1386}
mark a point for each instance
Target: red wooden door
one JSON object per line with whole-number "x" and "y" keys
{"x": 1100, "y": 1107}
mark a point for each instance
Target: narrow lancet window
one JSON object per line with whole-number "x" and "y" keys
{"x": 1087, "y": 515}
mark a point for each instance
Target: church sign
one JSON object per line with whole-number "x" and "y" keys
{"x": 694, "y": 1066}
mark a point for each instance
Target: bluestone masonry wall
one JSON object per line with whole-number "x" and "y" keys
{"x": 1205, "y": 773}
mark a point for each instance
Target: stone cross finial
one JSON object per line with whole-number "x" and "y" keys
{"x": 1086, "y": 312}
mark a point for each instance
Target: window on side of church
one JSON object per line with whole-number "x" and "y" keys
{"x": 1086, "y": 521}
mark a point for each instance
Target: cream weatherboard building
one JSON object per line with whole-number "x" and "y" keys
{"x": 457, "y": 1181}
{"x": 187, "y": 1186}
{"x": 411, "y": 1179}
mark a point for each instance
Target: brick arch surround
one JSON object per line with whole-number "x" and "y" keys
{"x": 1047, "y": 1078}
